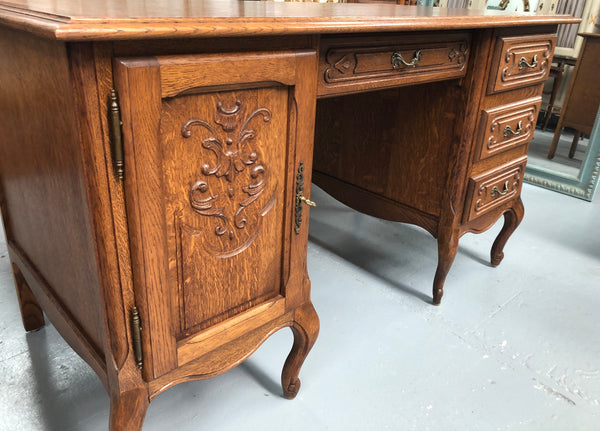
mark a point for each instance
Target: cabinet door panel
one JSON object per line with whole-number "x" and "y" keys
{"x": 225, "y": 171}
{"x": 210, "y": 183}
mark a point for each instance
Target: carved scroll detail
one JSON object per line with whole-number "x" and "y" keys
{"x": 460, "y": 54}
{"x": 485, "y": 196}
{"x": 495, "y": 139}
{"x": 514, "y": 53}
{"x": 339, "y": 64}
{"x": 233, "y": 153}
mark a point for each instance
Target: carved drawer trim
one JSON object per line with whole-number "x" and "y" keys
{"x": 494, "y": 188}
{"x": 520, "y": 61}
{"x": 359, "y": 62}
{"x": 507, "y": 126}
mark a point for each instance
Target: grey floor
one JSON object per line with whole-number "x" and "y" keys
{"x": 511, "y": 348}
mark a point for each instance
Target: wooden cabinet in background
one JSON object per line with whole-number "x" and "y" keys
{"x": 583, "y": 95}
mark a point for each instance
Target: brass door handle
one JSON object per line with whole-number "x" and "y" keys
{"x": 523, "y": 63}
{"x": 300, "y": 198}
{"x": 398, "y": 60}
{"x": 308, "y": 202}
{"x": 509, "y": 131}
{"x": 496, "y": 191}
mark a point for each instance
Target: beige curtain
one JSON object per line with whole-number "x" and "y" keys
{"x": 568, "y": 32}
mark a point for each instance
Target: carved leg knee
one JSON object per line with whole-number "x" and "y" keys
{"x": 447, "y": 248}
{"x": 512, "y": 219}
{"x": 31, "y": 312}
{"x": 128, "y": 410}
{"x": 306, "y": 330}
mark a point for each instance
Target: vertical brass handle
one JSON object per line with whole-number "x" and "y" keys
{"x": 398, "y": 60}
{"x": 496, "y": 191}
{"x": 523, "y": 63}
{"x": 509, "y": 131}
{"x": 300, "y": 198}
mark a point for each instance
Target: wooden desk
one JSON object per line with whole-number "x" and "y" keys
{"x": 155, "y": 170}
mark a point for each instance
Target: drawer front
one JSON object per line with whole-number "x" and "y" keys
{"x": 520, "y": 62}
{"x": 493, "y": 188}
{"x": 507, "y": 126}
{"x": 363, "y": 63}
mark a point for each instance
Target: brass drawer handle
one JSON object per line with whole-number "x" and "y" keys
{"x": 496, "y": 191}
{"x": 398, "y": 60}
{"x": 509, "y": 131}
{"x": 523, "y": 63}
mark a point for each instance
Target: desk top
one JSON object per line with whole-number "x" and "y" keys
{"x": 137, "y": 19}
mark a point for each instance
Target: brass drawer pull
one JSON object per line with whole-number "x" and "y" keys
{"x": 509, "y": 131}
{"x": 504, "y": 191}
{"x": 398, "y": 60}
{"x": 523, "y": 63}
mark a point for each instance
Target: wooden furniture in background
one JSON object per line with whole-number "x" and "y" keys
{"x": 583, "y": 96}
{"x": 155, "y": 171}
{"x": 556, "y": 73}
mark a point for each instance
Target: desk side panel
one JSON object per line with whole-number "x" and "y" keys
{"x": 45, "y": 205}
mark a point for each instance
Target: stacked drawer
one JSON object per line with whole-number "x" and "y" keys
{"x": 508, "y": 115}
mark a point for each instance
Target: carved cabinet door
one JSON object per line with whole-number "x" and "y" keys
{"x": 213, "y": 146}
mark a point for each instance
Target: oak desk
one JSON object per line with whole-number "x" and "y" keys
{"x": 155, "y": 171}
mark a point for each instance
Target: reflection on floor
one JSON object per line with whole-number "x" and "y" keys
{"x": 510, "y": 348}
{"x": 538, "y": 152}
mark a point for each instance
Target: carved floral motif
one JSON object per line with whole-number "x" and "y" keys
{"x": 234, "y": 153}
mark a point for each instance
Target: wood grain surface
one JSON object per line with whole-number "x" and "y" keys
{"x": 104, "y": 20}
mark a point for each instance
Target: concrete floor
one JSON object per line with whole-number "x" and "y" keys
{"x": 511, "y": 348}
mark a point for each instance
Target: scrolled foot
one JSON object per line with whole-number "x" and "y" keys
{"x": 512, "y": 219}
{"x": 496, "y": 259}
{"x": 437, "y": 296}
{"x": 292, "y": 390}
{"x": 306, "y": 329}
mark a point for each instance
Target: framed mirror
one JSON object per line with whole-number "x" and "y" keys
{"x": 577, "y": 176}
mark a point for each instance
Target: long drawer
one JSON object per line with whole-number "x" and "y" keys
{"x": 493, "y": 188}
{"x": 359, "y": 63}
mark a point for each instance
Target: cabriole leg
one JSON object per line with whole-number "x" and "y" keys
{"x": 512, "y": 219}
{"x": 447, "y": 248}
{"x": 31, "y": 312}
{"x": 306, "y": 330}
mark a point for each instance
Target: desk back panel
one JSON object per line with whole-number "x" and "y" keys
{"x": 384, "y": 141}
